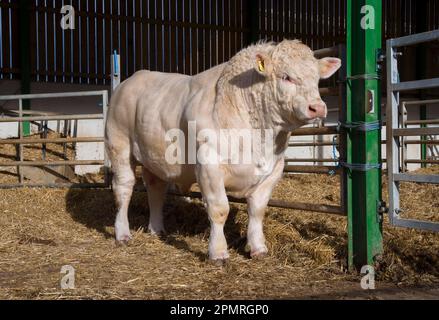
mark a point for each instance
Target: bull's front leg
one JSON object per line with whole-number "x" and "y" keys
{"x": 211, "y": 182}
{"x": 256, "y": 204}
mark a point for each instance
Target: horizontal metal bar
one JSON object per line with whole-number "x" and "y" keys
{"x": 96, "y": 116}
{"x": 414, "y": 39}
{"x": 315, "y": 131}
{"x": 317, "y": 144}
{"x": 415, "y": 85}
{"x": 418, "y": 161}
{"x": 54, "y": 185}
{"x": 420, "y": 102}
{"x": 337, "y": 210}
{"x": 416, "y": 178}
{"x": 52, "y": 163}
{"x": 311, "y": 144}
{"x": 416, "y": 224}
{"x": 411, "y": 132}
{"x": 53, "y": 95}
{"x": 312, "y": 169}
{"x": 310, "y": 160}
{"x": 417, "y": 122}
{"x": 432, "y": 142}
{"x": 33, "y": 112}
{"x": 53, "y": 140}
{"x": 323, "y": 208}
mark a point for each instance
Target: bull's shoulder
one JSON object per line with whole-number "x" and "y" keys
{"x": 146, "y": 76}
{"x": 132, "y": 84}
{"x": 207, "y": 78}
{"x": 150, "y": 83}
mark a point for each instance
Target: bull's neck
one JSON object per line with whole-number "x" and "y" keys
{"x": 241, "y": 109}
{"x": 238, "y": 107}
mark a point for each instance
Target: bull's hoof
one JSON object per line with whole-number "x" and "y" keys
{"x": 157, "y": 233}
{"x": 259, "y": 254}
{"x": 123, "y": 241}
{"x": 218, "y": 262}
{"x": 219, "y": 259}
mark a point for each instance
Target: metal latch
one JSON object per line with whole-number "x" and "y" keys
{"x": 370, "y": 101}
{"x": 381, "y": 210}
{"x": 380, "y": 59}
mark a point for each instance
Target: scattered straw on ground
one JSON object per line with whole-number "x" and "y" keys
{"x": 44, "y": 229}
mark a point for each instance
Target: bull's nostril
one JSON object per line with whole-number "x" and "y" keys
{"x": 312, "y": 109}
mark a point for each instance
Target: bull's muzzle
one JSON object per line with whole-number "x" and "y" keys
{"x": 317, "y": 110}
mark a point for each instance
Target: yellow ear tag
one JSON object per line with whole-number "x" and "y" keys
{"x": 261, "y": 66}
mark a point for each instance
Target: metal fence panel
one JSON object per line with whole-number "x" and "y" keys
{"x": 395, "y": 132}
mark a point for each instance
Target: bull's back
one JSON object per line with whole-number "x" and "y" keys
{"x": 145, "y": 90}
{"x": 149, "y": 104}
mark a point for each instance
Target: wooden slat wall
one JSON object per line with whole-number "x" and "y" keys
{"x": 185, "y": 36}
{"x": 433, "y": 19}
{"x": 318, "y": 23}
{"x": 9, "y": 50}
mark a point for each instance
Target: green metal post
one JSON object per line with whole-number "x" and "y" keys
{"x": 25, "y": 57}
{"x": 363, "y": 147}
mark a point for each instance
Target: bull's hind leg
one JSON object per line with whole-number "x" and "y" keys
{"x": 123, "y": 182}
{"x": 156, "y": 189}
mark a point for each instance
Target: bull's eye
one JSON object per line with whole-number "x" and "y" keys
{"x": 286, "y": 77}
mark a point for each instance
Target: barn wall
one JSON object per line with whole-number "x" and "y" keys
{"x": 185, "y": 36}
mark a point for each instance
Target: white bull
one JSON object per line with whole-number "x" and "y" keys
{"x": 264, "y": 87}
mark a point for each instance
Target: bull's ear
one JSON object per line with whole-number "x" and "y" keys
{"x": 263, "y": 64}
{"x": 328, "y": 66}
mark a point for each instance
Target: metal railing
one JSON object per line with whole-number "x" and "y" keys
{"x": 21, "y": 140}
{"x": 396, "y": 131}
{"x": 424, "y": 141}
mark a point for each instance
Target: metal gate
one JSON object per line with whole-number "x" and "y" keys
{"x": 21, "y": 117}
{"x": 396, "y": 130}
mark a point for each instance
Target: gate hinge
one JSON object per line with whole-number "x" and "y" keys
{"x": 380, "y": 59}
{"x": 381, "y": 210}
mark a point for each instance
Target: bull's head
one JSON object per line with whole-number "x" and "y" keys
{"x": 292, "y": 74}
